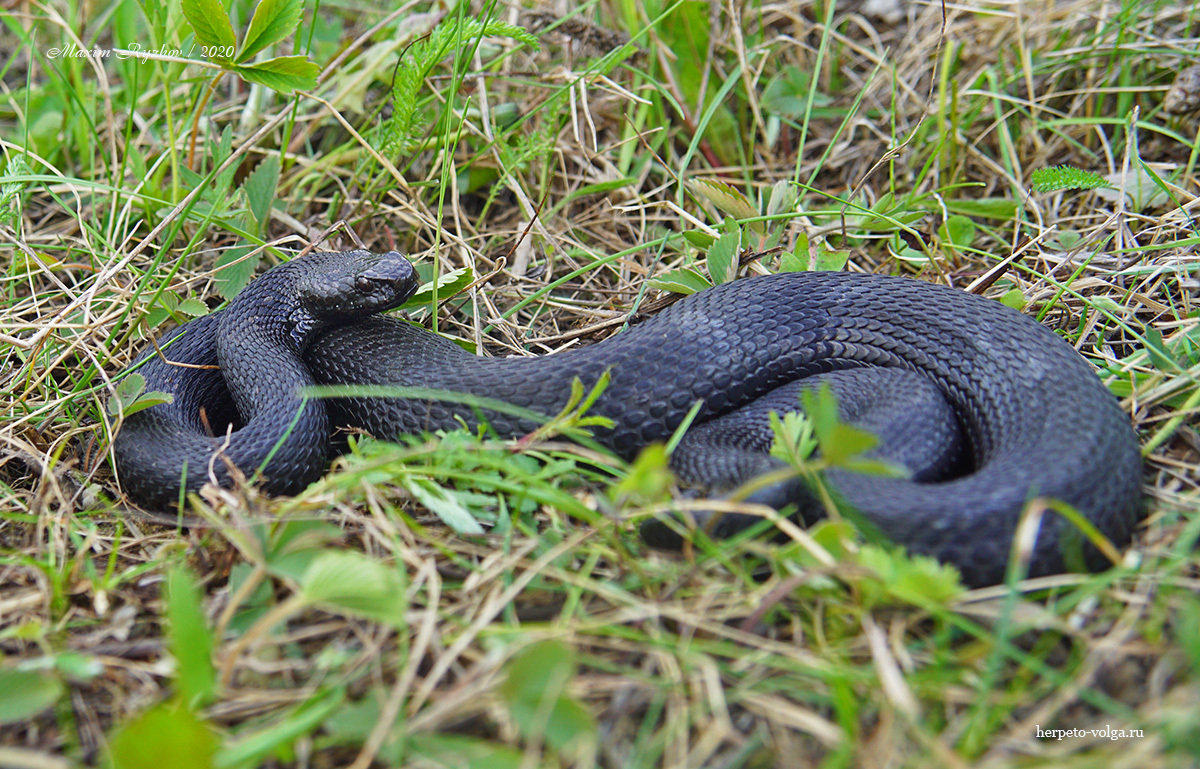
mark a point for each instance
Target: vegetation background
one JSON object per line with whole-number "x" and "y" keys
{"x": 549, "y": 168}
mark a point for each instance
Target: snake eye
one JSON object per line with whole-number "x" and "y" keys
{"x": 364, "y": 284}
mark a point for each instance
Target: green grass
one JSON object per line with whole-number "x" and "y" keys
{"x": 366, "y": 622}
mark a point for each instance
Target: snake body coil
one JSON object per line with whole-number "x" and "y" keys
{"x": 1003, "y": 410}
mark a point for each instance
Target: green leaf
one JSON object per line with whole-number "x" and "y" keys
{"x": 722, "y": 259}
{"x": 793, "y": 262}
{"x": 165, "y": 730}
{"x": 536, "y": 693}
{"x": 26, "y": 693}
{"x": 958, "y": 230}
{"x": 830, "y": 260}
{"x": 649, "y": 479}
{"x": 699, "y": 239}
{"x": 129, "y": 397}
{"x": 783, "y": 198}
{"x": 190, "y": 640}
{"x": 357, "y": 584}
{"x": 1066, "y": 178}
{"x": 727, "y": 198}
{"x": 449, "y": 284}
{"x": 272, "y": 22}
{"x": 1014, "y": 298}
{"x": 210, "y": 23}
{"x": 235, "y": 267}
{"x": 913, "y": 579}
{"x": 260, "y": 188}
{"x": 838, "y": 441}
{"x": 192, "y": 307}
{"x": 442, "y": 503}
{"x": 284, "y": 74}
{"x": 1160, "y": 356}
{"x": 681, "y": 281}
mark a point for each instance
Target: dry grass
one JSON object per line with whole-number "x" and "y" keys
{"x": 738, "y": 654}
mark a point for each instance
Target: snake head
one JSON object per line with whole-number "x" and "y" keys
{"x": 343, "y": 286}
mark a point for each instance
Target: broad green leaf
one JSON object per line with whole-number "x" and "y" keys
{"x": 193, "y": 307}
{"x": 235, "y": 267}
{"x": 958, "y": 230}
{"x": 838, "y": 441}
{"x": 722, "y": 259}
{"x": 728, "y": 199}
{"x": 272, "y": 22}
{"x": 284, "y": 74}
{"x": 1014, "y": 298}
{"x": 165, "y": 730}
{"x": 914, "y": 579}
{"x": 699, "y": 239}
{"x": 357, "y": 584}
{"x": 443, "y": 504}
{"x": 26, "y": 693}
{"x": 830, "y": 260}
{"x": 130, "y": 397}
{"x": 536, "y": 693}
{"x": 190, "y": 639}
{"x": 449, "y": 284}
{"x": 260, "y": 188}
{"x": 681, "y": 281}
{"x": 210, "y": 23}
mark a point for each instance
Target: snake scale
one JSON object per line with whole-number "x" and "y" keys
{"x": 985, "y": 407}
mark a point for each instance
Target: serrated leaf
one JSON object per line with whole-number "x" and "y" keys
{"x": 164, "y": 730}
{"x": 284, "y": 74}
{"x": 129, "y": 397}
{"x": 273, "y": 21}
{"x": 449, "y": 284}
{"x": 1066, "y": 178}
{"x": 681, "y": 281}
{"x": 536, "y": 693}
{"x": 210, "y": 23}
{"x": 829, "y": 260}
{"x": 27, "y": 693}
{"x": 192, "y": 307}
{"x": 234, "y": 269}
{"x": 443, "y": 504}
{"x": 914, "y": 579}
{"x": 190, "y": 639}
{"x": 126, "y": 392}
{"x": 355, "y": 583}
{"x": 260, "y": 188}
{"x": 728, "y": 199}
{"x": 722, "y": 258}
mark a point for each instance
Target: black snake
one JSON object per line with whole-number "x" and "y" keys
{"x": 1022, "y": 414}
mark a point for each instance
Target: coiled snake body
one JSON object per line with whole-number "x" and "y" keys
{"x": 1001, "y": 409}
